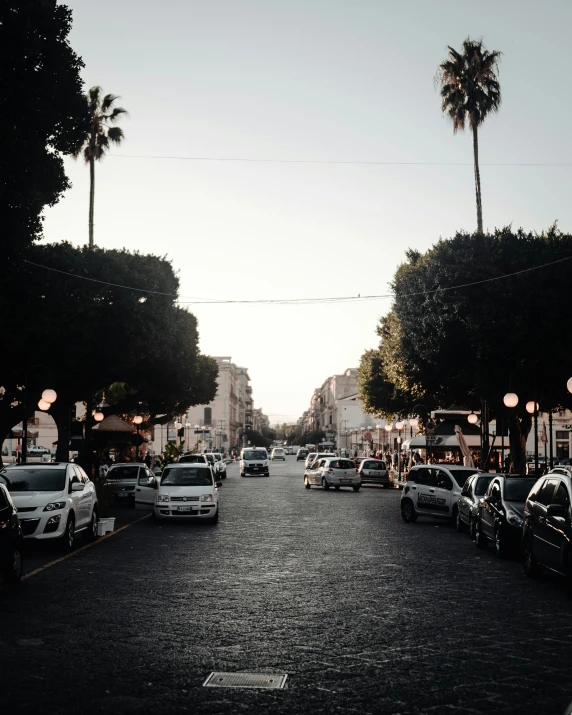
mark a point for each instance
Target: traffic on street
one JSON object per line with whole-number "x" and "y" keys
{"x": 332, "y": 588}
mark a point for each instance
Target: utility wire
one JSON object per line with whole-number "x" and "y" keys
{"x": 303, "y": 301}
{"x": 332, "y": 161}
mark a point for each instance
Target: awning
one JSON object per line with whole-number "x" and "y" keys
{"x": 17, "y": 432}
{"x": 445, "y": 441}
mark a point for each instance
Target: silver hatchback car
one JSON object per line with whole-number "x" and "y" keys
{"x": 334, "y": 472}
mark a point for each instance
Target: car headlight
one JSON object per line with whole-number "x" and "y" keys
{"x": 162, "y": 497}
{"x": 52, "y": 506}
{"x": 513, "y": 519}
{"x": 207, "y": 497}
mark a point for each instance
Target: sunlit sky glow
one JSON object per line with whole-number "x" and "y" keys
{"x": 310, "y": 80}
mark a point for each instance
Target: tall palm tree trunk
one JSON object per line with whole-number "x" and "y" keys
{"x": 477, "y": 178}
{"x": 91, "y": 198}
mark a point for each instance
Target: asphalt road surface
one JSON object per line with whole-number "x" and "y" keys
{"x": 364, "y": 613}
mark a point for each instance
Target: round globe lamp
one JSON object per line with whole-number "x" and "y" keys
{"x": 510, "y": 399}
{"x": 414, "y": 422}
{"x": 530, "y": 406}
{"x": 389, "y": 427}
{"x": 49, "y": 396}
{"x": 569, "y": 385}
{"x": 43, "y": 405}
{"x": 399, "y": 425}
{"x": 472, "y": 419}
{"x": 98, "y": 416}
{"x": 137, "y": 420}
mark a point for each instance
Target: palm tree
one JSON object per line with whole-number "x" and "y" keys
{"x": 102, "y": 114}
{"x": 470, "y": 90}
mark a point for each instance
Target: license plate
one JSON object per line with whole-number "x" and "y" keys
{"x": 184, "y": 508}
{"x": 345, "y": 481}
{"x": 375, "y": 474}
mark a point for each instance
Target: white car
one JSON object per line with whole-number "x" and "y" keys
{"x": 54, "y": 501}
{"x": 254, "y": 460}
{"x": 221, "y": 464}
{"x": 434, "y": 490}
{"x": 278, "y": 453}
{"x": 334, "y": 472}
{"x": 183, "y": 492}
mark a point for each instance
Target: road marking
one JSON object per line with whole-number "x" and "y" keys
{"x": 83, "y": 548}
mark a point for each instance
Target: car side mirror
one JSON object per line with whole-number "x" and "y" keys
{"x": 556, "y": 510}
{"x": 77, "y": 487}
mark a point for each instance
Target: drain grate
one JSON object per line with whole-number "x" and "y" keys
{"x": 270, "y": 681}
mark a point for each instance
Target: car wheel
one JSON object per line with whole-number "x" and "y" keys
{"x": 356, "y": 488}
{"x": 306, "y": 483}
{"x": 458, "y": 522}
{"x": 531, "y": 567}
{"x": 501, "y": 547}
{"x": 408, "y": 511}
{"x": 68, "y": 538}
{"x": 481, "y": 541}
{"x": 92, "y": 531}
{"x": 14, "y": 567}
{"x": 325, "y": 484}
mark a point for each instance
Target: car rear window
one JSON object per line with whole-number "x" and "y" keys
{"x": 343, "y": 464}
{"x": 186, "y": 477}
{"x": 374, "y": 465}
{"x": 126, "y": 472}
{"x": 192, "y": 458}
{"x": 34, "y": 480}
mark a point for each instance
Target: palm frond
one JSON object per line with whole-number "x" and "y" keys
{"x": 115, "y": 135}
{"x": 115, "y": 114}
{"x": 94, "y": 94}
{"x": 108, "y": 101}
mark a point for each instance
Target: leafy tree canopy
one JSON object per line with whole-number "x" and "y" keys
{"x": 43, "y": 115}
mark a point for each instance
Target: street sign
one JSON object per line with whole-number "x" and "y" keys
{"x": 367, "y": 436}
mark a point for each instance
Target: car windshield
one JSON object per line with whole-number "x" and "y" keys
{"x": 210, "y": 458}
{"x": 255, "y": 454}
{"x": 518, "y": 489}
{"x": 461, "y": 475}
{"x": 186, "y": 477}
{"x": 34, "y": 480}
{"x": 482, "y": 485}
{"x": 127, "y": 472}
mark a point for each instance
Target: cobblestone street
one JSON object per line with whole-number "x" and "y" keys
{"x": 364, "y": 613}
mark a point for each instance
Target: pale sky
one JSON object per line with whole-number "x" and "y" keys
{"x": 338, "y": 80}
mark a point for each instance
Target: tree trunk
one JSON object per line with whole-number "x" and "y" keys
{"x": 61, "y": 413}
{"x": 518, "y": 430}
{"x": 9, "y": 417}
{"x": 91, "y": 198}
{"x": 477, "y": 179}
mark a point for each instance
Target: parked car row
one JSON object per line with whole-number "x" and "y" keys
{"x": 328, "y": 470}
{"x": 518, "y": 515}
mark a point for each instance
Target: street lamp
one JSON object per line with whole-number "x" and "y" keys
{"x": 137, "y": 421}
{"x": 98, "y": 416}
{"x": 472, "y": 419}
{"x": 510, "y": 399}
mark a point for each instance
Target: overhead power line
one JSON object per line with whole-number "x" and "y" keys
{"x": 250, "y": 160}
{"x": 300, "y": 301}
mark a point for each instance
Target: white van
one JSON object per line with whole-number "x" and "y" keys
{"x": 254, "y": 460}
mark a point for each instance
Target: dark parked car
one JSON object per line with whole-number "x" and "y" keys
{"x": 500, "y": 515}
{"x": 547, "y": 531}
{"x": 472, "y": 493}
{"x": 374, "y": 471}
{"x": 11, "y": 538}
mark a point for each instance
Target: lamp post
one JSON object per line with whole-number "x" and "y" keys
{"x": 378, "y": 427}
{"x": 46, "y": 401}
{"x": 178, "y": 426}
{"x": 388, "y": 429}
{"x": 399, "y": 426}
{"x": 137, "y": 421}
{"x": 532, "y": 409}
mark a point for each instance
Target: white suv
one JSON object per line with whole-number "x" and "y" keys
{"x": 433, "y": 490}
{"x": 54, "y": 501}
{"x": 254, "y": 460}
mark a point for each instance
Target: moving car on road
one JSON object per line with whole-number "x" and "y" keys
{"x": 254, "y": 460}
{"x": 56, "y": 500}
{"x": 334, "y": 472}
{"x": 278, "y": 453}
{"x": 501, "y": 512}
{"x": 309, "y": 459}
{"x": 468, "y": 505}
{"x": 374, "y": 471}
{"x": 194, "y": 459}
{"x": 547, "y": 529}
{"x": 184, "y": 491}
{"x": 122, "y": 479}
{"x": 11, "y": 539}
{"x": 301, "y": 454}
{"x": 433, "y": 490}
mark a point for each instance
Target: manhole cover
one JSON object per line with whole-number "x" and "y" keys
{"x": 270, "y": 681}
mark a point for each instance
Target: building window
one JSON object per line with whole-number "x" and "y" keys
{"x": 208, "y": 416}
{"x": 330, "y": 419}
{"x": 562, "y": 435}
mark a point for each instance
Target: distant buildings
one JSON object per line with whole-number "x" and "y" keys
{"x": 221, "y": 423}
